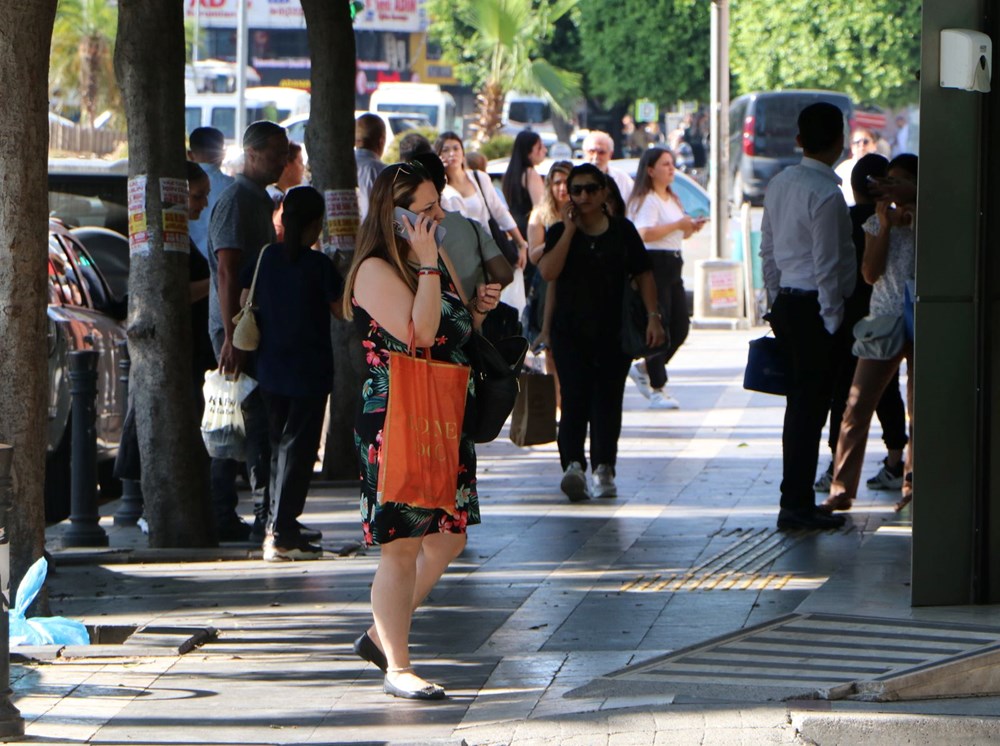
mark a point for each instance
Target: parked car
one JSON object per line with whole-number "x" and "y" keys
{"x": 83, "y": 314}
{"x": 762, "y": 130}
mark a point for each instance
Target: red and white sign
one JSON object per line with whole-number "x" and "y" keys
{"x": 378, "y": 15}
{"x": 873, "y": 120}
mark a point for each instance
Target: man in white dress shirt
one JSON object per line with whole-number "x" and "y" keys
{"x": 598, "y": 148}
{"x": 809, "y": 269}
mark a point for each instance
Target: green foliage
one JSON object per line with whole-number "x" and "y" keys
{"x": 869, "y": 49}
{"x": 82, "y": 63}
{"x": 656, "y": 49}
{"x": 498, "y": 146}
{"x": 391, "y": 154}
{"x": 501, "y": 41}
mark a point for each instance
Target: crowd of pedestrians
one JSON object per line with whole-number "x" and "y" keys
{"x": 585, "y": 235}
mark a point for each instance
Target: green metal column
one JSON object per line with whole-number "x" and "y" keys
{"x": 951, "y": 460}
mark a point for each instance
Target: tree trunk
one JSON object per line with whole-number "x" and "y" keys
{"x": 489, "y": 109}
{"x": 330, "y": 144}
{"x": 149, "y": 65}
{"x": 24, "y": 65}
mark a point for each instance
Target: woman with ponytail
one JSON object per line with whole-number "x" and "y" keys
{"x": 296, "y": 291}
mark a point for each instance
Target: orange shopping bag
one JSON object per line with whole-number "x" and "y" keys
{"x": 423, "y": 426}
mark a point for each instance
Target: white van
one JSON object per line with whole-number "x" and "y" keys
{"x": 263, "y": 102}
{"x": 420, "y": 98}
{"x": 523, "y": 111}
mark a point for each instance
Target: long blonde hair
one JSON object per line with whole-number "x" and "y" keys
{"x": 547, "y": 210}
{"x": 394, "y": 187}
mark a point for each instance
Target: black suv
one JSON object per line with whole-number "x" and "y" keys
{"x": 762, "y": 130}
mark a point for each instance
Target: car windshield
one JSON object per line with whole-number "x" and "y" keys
{"x": 81, "y": 200}
{"x": 776, "y": 120}
{"x": 430, "y": 110}
{"x": 529, "y": 112}
{"x": 401, "y": 124}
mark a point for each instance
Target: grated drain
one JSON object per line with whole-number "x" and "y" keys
{"x": 802, "y": 655}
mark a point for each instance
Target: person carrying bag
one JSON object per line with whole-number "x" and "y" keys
{"x": 400, "y": 295}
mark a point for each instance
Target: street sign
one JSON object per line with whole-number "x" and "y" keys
{"x": 646, "y": 111}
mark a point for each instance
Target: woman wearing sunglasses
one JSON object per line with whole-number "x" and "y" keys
{"x": 398, "y": 288}
{"x": 593, "y": 255}
{"x": 659, "y": 217}
{"x": 863, "y": 141}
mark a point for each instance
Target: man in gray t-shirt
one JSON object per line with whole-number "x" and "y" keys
{"x": 240, "y": 226}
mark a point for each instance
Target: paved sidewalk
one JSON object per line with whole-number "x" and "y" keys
{"x": 548, "y": 597}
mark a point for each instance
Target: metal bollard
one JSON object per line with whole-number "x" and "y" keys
{"x": 130, "y": 505}
{"x": 85, "y": 528}
{"x": 11, "y": 722}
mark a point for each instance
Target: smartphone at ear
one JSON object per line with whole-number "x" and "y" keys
{"x": 400, "y": 228}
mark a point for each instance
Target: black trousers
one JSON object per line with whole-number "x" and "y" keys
{"x": 891, "y": 411}
{"x": 295, "y": 425}
{"x": 670, "y": 294}
{"x": 799, "y": 327}
{"x": 592, "y": 382}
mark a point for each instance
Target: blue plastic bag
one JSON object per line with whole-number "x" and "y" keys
{"x": 41, "y": 630}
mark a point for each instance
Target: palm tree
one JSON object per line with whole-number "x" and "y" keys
{"x": 83, "y": 43}
{"x": 509, "y": 33}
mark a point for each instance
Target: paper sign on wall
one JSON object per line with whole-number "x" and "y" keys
{"x": 341, "y": 219}
{"x": 174, "y": 194}
{"x": 138, "y": 231}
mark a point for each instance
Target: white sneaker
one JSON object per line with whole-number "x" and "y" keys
{"x": 296, "y": 549}
{"x": 640, "y": 379}
{"x": 662, "y": 400}
{"x": 574, "y": 483}
{"x": 604, "y": 482}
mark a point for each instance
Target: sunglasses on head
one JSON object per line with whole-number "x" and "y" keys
{"x": 577, "y": 189}
{"x": 411, "y": 168}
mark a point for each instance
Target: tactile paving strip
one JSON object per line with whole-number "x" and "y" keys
{"x": 740, "y": 566}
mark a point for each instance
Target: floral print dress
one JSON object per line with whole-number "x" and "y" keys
{"x": 383, "y": 522}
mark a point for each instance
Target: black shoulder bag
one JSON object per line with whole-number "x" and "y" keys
{"x": 507, "y": 247}
{"x": 502, "y": 321}
{"x": 495, "y": 371}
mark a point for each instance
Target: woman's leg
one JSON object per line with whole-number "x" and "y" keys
{"x": 392, "y": 598}
{"x": 908, "y": 469}
{"x": 870, "y": 380}
{"x": 607, "y": 392}
{"x": 575, "y": 375}
{"x": 892, "y": 416}
{"x": 656, "y": 365}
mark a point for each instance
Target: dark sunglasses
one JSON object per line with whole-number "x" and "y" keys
{"x": 577, "y": 189}
{"x": 861, "y": 141}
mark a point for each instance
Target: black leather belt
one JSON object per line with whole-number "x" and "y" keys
{"x": 798, "y": 292}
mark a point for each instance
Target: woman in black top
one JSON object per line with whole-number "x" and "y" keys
{"x": 296, "y": 292}
{"x": 522, "y": 185}
{"x": 592, "y": 255}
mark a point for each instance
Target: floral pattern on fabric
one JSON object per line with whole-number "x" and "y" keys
{"x": 383, "y": 522}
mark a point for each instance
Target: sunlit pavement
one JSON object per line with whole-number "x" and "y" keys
{"x": 548, "y": 597}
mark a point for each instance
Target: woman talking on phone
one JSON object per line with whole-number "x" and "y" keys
{"x": 592, "y": 254}
{"x": 399, "y": 289}
{"x": 659, "y": 217}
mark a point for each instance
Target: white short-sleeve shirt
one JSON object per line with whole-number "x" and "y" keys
{"x": 653, "y": 211}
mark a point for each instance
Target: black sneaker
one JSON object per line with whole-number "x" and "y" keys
{"x": 233, "y": 529}
{"x": 308, "y": 533}
{"x": 284, "y": 550}
{"x": 809, "y": 519}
